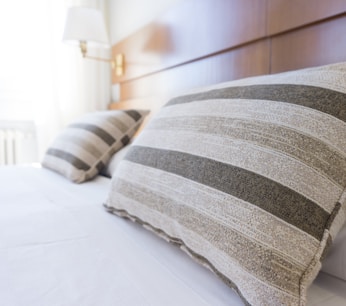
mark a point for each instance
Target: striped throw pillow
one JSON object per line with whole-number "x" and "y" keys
{"x": 248, "y": 177}
{"x": 83, "y": 148}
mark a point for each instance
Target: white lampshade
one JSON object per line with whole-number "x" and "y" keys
{"x": 87, "y": 25}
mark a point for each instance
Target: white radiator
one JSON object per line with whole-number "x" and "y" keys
{"x": 18, "y": 142}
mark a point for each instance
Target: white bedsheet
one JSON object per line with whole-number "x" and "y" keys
{"x": 58, "y": 246}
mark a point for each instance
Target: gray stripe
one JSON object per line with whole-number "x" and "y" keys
{"x": 271, "y": 196}
{"x": 125, "y": 140}
{"x": 311, "y": 151}
{"x": 215, "y": 204}
{"x": 133, "y": 114}
{"x": 325, "y": 100}
{"x": 252, "y": 256}
{"x": 105, "y": 136}
{"x": 179, "y": 243}
{"x": 99, "y": 166}
{"x": 73, "y": 160}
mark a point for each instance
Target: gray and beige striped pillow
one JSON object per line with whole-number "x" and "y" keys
{"x": 248, "y": 177}
{"x": 83, "y": 148}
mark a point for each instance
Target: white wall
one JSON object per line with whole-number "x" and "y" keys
{"x": 26, "y": 79}
{"x": 42, "y": 79}
{"x": 24, "y": 58}
{"x": 127, "y": 16}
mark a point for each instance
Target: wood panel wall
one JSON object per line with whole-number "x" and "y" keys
{"x": 199, "y": 43}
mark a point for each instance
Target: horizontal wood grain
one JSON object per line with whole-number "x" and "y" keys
{"x": 286, "y": 15}
{"x": 319, "y": 44}
{"x": 152, "y": 103}
{"x": 200, "y": 43}
{"x": 189, "y": 31}
{"x": 241, "y": 62}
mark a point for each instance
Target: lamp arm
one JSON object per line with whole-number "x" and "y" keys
{"x": 84, "y": 49}
{"x": 112, "y": 61}
{"x": 117, "y": 63}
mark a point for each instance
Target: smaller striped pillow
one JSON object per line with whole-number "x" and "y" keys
{"x": 83, "y": 148}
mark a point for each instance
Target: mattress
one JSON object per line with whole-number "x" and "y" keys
{"x": 58, "y": 246}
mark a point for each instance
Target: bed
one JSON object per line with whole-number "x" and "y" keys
{"x": 76, "y": 231}
{"x": 60, "y": 247}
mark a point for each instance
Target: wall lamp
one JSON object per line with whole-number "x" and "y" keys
{"x": 86, "y": 27}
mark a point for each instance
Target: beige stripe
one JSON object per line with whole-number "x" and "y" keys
{"x": 61, "y": 166}
{"x": 115, "y": 124}
{"x": 75, "y": 150}
{"x": 84, "y": 134}
{"x": 236, "y": 216}
{"x": 311, "y": 122}
{"x": 308, "y": 150}
{"x": 119, "y": 124}
{"x": 256, "y": 258}
{"x": 288, "y": 171}
{"x": 245, "y": 281}
{"x": 112, "y": 130}
{"x": 107, "y": 126}
{"x": 257, "y": 291}
{"x": 126, "y": 125}
{"x": 84, "y": 143}
{"x": 126, "y": 120}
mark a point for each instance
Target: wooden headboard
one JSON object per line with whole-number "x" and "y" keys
{"x": 199, "y": 43}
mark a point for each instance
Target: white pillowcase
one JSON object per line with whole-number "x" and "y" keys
{"x": 114, "y": 161}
